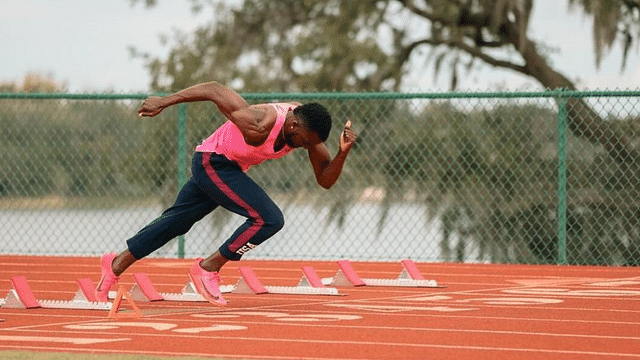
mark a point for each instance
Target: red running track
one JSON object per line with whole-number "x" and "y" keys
{"x": 482, "y": 312}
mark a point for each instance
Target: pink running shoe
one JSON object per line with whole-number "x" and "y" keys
{"x": 108, "y": 278}
{"x": 207, "y": 283}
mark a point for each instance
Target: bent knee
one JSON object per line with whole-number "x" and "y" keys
{"x": 275, "y": 221}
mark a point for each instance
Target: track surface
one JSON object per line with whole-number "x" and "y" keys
{"x": 483, "y": 312}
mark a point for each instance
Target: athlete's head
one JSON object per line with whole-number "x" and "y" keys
{"x": 316, "y": 118}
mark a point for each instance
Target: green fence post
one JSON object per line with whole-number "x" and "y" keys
{"x": 181, "y": 163}
{"x": 562, "y": 181}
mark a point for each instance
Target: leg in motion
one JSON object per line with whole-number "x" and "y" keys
{"x": 112, "y": 265}
{"x": 214, "y": 262}
{"x": 232, "y": 189}
{"x": 190, "y": 206}
{"x": 206, "y": 277}
{"x": 228, "y": 186}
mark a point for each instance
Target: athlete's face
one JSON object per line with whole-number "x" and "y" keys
{"x": 303, "y": 138}
{"x": 300, "y": 136}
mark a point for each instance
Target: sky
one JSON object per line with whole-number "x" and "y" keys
{"x": 85, "y": 45}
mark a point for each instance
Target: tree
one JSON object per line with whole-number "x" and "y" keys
{"x": 340, "y": 45}
{"x": 367, "y": 45}
{"x": 34, "y": 82}
{"x": 612, "y": 20}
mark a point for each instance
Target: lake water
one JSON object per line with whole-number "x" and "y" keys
{"x": 308, "y": 233}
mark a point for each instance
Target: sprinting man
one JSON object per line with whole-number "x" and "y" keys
{"x": 252, "y": 134}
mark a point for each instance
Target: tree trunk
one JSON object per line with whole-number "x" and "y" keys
{"x": 582, "y": 120}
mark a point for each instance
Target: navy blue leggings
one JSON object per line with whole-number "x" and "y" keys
{"x": 216, "y": 181}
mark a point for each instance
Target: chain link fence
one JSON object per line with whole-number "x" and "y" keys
{"x": 544, "y": 177}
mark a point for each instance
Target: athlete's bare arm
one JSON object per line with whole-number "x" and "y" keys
{"x": 253, "y": 121}
{"x": 328, "y": 170}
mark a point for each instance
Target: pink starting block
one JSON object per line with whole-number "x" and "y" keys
{"x": 409, "y": 277}
{"x": 87, "y": 291}
{"x": 21, "y": 297}
{"x": 310, "y": 278}
{"x": 248, "y": 283}
{"x": 144, "y": 290}
{"x": 350, "y": 277}
{"x": 410, "y": 271}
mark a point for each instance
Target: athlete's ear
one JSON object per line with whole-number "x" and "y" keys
{"x": 295, "y": 123}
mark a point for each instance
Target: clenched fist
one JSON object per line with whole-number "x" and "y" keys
{"x": 347, "y": 138}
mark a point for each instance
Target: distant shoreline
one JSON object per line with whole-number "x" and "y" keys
{"x": 368, "y": 195}
{"x": 61, "y": 202}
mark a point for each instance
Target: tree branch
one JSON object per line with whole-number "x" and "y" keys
{"x": 457, "y": 3}
{"x": 631, "y": 3}
{"x": 473, "y": 51}
{"x": 425, "y": 14}
{"x": 476, "y": 52}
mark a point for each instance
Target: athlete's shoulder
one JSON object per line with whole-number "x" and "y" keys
{"x": 286, "y": 105}
{"x": 272, "y": 110}
{"x": 265, "y": 114}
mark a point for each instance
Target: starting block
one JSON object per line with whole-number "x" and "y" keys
{"x": 310, "y": 278}
{"x": 144, "y": 290}
{"x": 21, "y": 297}
{"x": 409, "y": 277}
{"x": 87, "y": 290}
{"x": 248, "y": 283}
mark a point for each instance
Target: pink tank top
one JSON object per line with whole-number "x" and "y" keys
{"x": 227, "y": 140}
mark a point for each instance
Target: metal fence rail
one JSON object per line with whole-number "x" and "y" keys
{"x": 520, "y": 177}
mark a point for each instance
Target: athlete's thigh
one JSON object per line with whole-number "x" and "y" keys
{"x": 229, "y": 187}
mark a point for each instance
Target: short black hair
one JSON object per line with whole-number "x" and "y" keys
{"x": 316, "y": 118}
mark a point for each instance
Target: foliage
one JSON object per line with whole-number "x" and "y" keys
{"x": 34, "y": 82}
{"x": 487, "y": 173}
{"x": 329, "y": 45}
{"x": 613, "y": 20}
{"x": 485, "y": 169}
{"x": 74, "y": 148}
{"x": 320, "y": 45}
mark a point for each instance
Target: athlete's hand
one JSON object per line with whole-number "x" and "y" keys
{"x": 347, "y": 138}
{"x": 152, "y": 106}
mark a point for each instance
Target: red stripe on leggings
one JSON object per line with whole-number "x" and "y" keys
{"x": 243, "y": 238}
